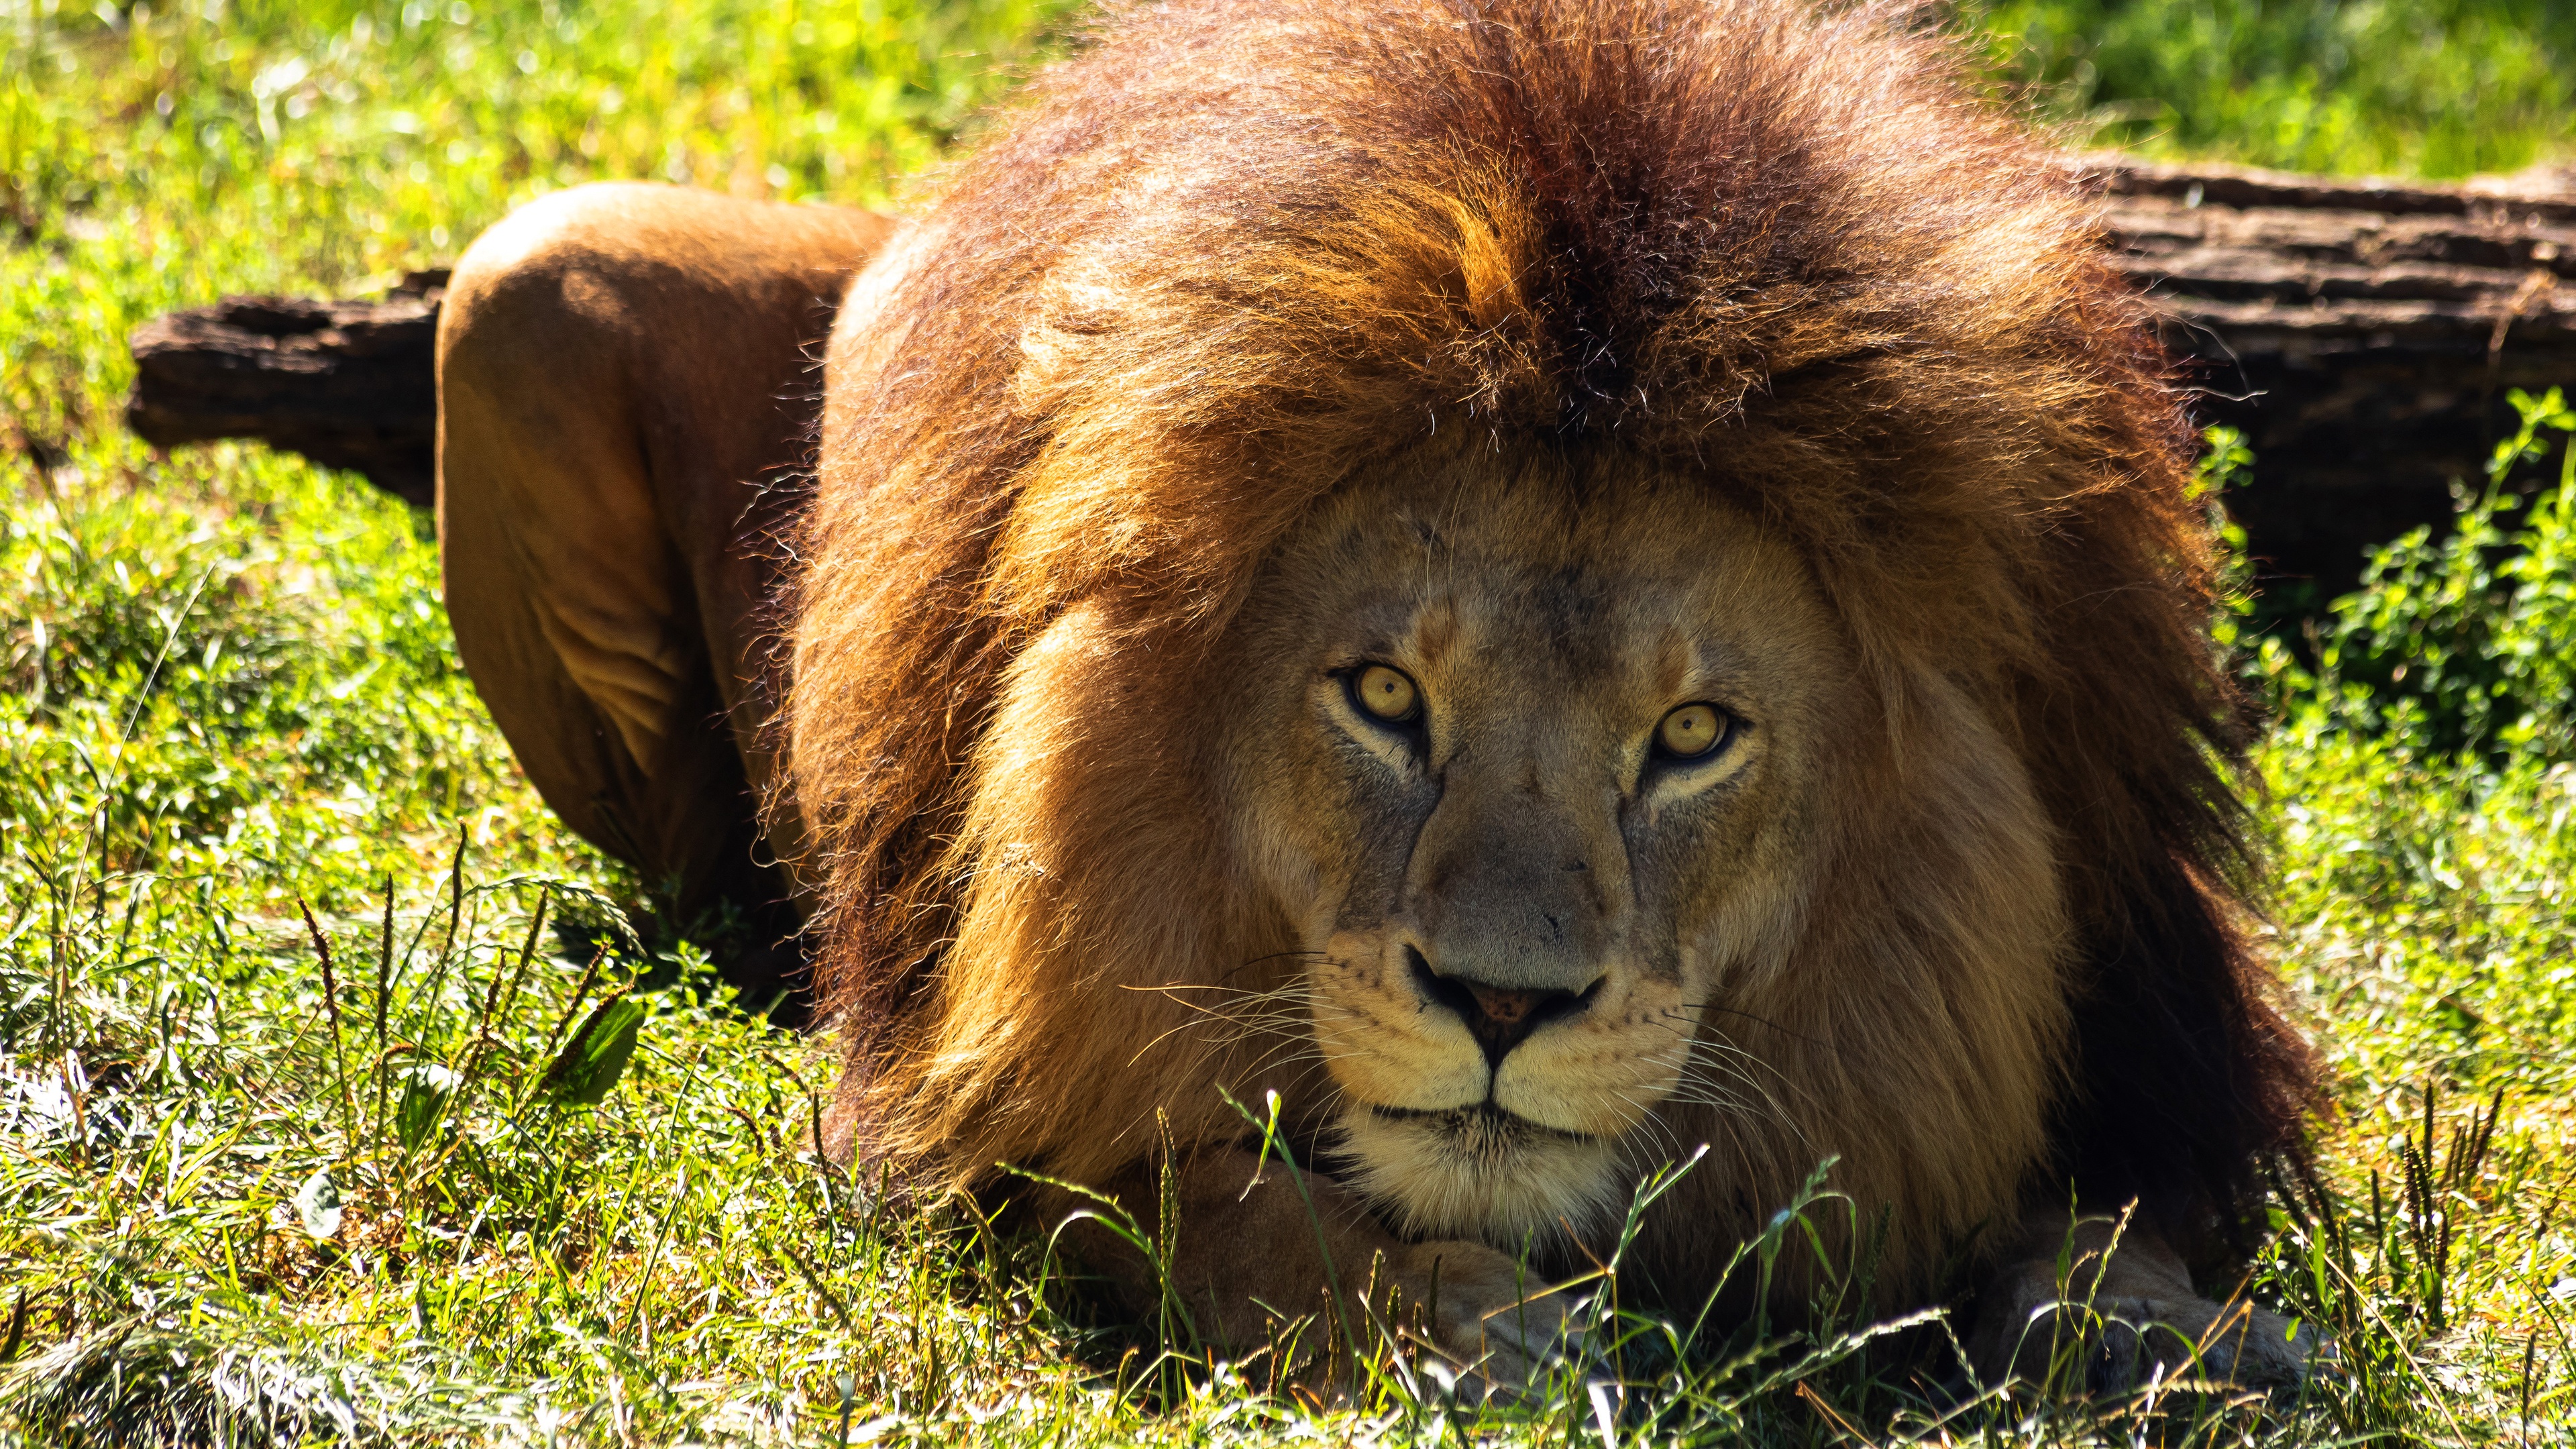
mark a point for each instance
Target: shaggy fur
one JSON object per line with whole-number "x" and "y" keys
{"x": 1238, "y": 252}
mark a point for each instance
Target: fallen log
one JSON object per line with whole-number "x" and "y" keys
{"x": 2363, "y": 335}
{"x": 348, "y": 384}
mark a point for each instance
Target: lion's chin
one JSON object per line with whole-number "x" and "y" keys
{"x": 1480, "y": 1172}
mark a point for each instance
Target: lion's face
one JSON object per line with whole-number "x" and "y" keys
{"x": 1532, "y": 779}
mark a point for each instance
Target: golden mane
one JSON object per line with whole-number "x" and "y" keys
{"x": 1236, "y": 249}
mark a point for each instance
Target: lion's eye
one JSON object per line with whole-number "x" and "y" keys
{"x": 1386, "y": 694}
{"x": 1693, "y": 731}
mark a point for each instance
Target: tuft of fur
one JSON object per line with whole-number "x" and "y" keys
{"x": 1234, "y": 252}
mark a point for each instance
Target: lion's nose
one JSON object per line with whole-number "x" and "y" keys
{"x": 1499, "y": 1018}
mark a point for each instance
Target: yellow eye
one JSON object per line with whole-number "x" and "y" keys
{"x": 1387, "y": 694}
{"x": 1692, "y": 731}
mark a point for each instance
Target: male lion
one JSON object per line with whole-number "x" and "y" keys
{"x": 1552, "y": 581}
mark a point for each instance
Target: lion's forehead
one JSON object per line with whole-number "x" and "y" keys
{"x": 1530, "y": 585}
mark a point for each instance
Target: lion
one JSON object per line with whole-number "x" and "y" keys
{"x": 1484, "y": 599}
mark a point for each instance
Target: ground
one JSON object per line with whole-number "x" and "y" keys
{"x": 311, "y": 1128}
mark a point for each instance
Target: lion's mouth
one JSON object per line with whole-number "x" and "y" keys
{"x": 1478, "y": 1171}
{"x": 1484, "y": 1127}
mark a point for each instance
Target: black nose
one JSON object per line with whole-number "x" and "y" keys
{"x": 1498, "y": 1017}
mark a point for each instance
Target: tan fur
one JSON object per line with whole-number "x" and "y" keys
{"x": 624, "y": 378}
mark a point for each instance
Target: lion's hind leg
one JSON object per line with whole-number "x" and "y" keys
{"x": 624, "y": 380}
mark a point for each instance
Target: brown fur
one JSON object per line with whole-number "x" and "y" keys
{"x": 1238, "y": 253}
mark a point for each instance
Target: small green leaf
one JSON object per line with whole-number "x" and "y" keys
{"x": 427, "y": 1089}
{"x": 17, "y": 1328}
{"x": 318, "y": 1203}
{"x": 595, "y": 1058}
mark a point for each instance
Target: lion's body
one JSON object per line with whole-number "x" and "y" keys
{"x": 1577, "y": 362}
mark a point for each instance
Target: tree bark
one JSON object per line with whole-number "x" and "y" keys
{"x": 2363, "y": 335}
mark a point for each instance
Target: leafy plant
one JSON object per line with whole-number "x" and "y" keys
{"x": 2468, "y": 642}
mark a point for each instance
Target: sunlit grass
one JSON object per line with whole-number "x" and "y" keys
{"x": 231, "y": 698}
{"x": 2437, "y": 88}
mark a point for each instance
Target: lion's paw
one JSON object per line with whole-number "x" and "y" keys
{"x": 1489, "y": 1316}
{"x": 2231, "y": 1342}
{"x": 2113, "y": 1342}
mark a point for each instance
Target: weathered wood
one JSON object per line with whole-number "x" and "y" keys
{"x": 2363, "y": 334}
{"x": 347, "y": 384}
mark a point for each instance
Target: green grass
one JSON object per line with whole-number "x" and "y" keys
{"x": 2437, "y": 88}
{"x": 231, "y": 697}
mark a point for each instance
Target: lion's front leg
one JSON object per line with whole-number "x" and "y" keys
{"x": 1259, "y": 1266}
{"x": 2110, "y": 1303}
